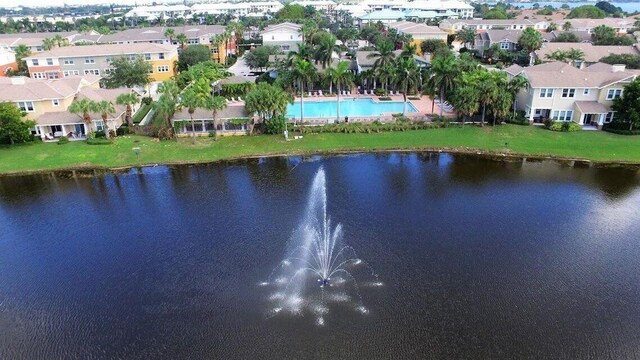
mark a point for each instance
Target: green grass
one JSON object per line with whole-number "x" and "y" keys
{"x": 141, "y": 113}
{"x": 525, "y": 140}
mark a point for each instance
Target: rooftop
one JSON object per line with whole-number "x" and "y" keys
{"x": 559, "y": 74}
{"x": 592, "y": 53}
{"x": 104, "y": 49}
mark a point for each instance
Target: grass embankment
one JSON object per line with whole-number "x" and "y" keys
{"x": 525, "y": 140}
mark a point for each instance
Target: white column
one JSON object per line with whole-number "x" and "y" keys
{"x": 531, "y": 113}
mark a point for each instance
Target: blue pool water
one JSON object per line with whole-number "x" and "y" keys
{"x": 348, "y": 107}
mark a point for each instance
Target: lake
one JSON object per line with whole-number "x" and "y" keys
{"x": 478, "y": 259}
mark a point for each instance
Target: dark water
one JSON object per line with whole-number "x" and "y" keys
{"x": 480, "y": 259}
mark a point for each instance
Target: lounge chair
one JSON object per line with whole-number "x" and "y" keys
{"x": 48, "y": 136}
{"x": 320, "y": 93}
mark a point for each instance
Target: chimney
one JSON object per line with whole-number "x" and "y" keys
{"x": 17, "y": 80}
{"x": 618, "y": 67}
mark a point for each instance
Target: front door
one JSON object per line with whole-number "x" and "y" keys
{"x": 79, "y": 130}
{"x": 588, "y": 119}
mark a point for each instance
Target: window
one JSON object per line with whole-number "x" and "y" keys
{"x": 586, "y": 91}
{"x": 25, "y": 106}
{"x": 546, "y": 93}
{"x": 161, "y": 56}
{"x": 109, "y": 59}
{"x": 55, "y": 102}
{"x": 609, "y": 117}
{"x": 214, "y": 50}
{"x": 68, "y": 62}
{"x": 568, "y": 93}
{"x": 614, "y": 94}
{"x": 35, "y": 62}
{"x": 38, "y": 75}
{"x": 285, "y": 47}
{"x": 131, "y": 57}
{"x": 49, "y": 61}
{"x": 107, "y": 71}
{"x": 273, "y": 37}
{"x": 504, "y": 45}
{"x": 163, "y": 68}
{"x": 89, "y": 60}
{"x": 70, "y": 73}
{"x": 92, "y": 72}
{"x": 147, "y": 56}
{"x": 562, "y": 115}
{"x": 99, "y": 125}
{"x": 53, "y": 75}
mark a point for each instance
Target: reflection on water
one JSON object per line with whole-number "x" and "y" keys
{"x": 480, "y": 259}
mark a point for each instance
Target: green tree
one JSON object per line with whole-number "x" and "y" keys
{"x": 182, "y": 39}
{"x": 466, "y": 36}
{"x": 514, "y": 86}
{"x": 193, "y": 97}
{"x": 60, "y": 41}
{"x": 604, "y": 35}
{"x": 125, "y": 72}
{"x": 104, "y": 108}
{"x": 170, "y": 89}
{"x": 258, "y": 58}
{"x": 12, "y": 128}
{"x": 303, "y": 73}
{"x": 608, "y": 8}
{"x": 165, "y": 107}
{"x": 267, "y": 101}
{"x": 530, "y": 40}
{"x": 83, "y": 107}
{"x": 22, "y": 51}
{"x": 567, "y": 26}
{"x": 465, "y": 101}
{"x": 629, "y": 60}
{"x": 215, "y": 104}
{"x": 291, "y": 12}
{"x": 341, "y": 76}
{"x": 48, "y": 44}
{"x": 557, "y": 55}
{"x": 552, "y": 27}
{"x": 384, "y": 59}
{"x": 408, "y": 76}
{"x": 433, "y": 46}
{"x": 627, "y": 107}
{"x": 325, "y": 46}
{"x": 442, "y": 75}
{"x": 193, "y": 55}
{"x": 170, "y": 34}
{"x": 128, "y": 99}
{"x": 586, "y": 12}
{"x": 566, "y": 37}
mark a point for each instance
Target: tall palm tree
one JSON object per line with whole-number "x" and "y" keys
{"x": 182, "y": 40}
{"x": 530, "y": 40}
{"x": 307, "y": 30}
{"x": 104, "y": 108}
{"x": 514, "y": 86}
{"x": 465, "y": 100}
{"x": 165, "y": 107}
{"x": 128, "y": 99}
{"x": 195, "y": 96}
{"x": 384, "y": 57}
{"x": 408, "y": 76}
{"x": 409, "y": 50}
{"x": 442, "y": 75}
{"x": 60, "y": 41}
{"x": 304, "y": 52}
{"x": 324, "y": 50}
{"x": 341, "y": 76}
{"x": 302, "y": 72}
{"x": 170, "y": 89}
{"x": 575, "y": 55}
{"x": 215, "y": 104}
{"x": 48, "y": 44}
{"x": 83, "y": 107}
{"x": 170, "y": 34}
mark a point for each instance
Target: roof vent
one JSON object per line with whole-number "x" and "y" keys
{"x": 17, "y": 80}
{"x": 618, "y": 67}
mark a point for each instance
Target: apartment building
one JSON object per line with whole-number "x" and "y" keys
{"x": 46, "y": 102}
{"x": 319, "y": 5}
{"x": 562, "y": 92}
{"x": 196, "y": 34}
{"x": 452, "y": 8}
{"x": 286, "y": 36}
{"x": 96, "y": 60}
{"x": 35, "y": 41}
{"x": 453, "y": 26}
{"x": 592, "y": 53}
{"x": 238, "y": 9}
{"x": 620, "y": 25}
{"x": 419, "y": 32}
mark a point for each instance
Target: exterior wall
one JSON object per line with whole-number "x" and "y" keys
{"x": 293, "y": 45}
{"x": 417, "y": 41}
{"x": 5, "y": 68}
{"x": 162, "y": 76}
{"x": 43, "y": 106}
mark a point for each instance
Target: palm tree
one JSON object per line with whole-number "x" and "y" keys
{"x": 165, "y": 107}
{"x": 408, "y": 76}
{"x": 384, "y": 56}
{"x": 514, "y": 86}
{"x": 104, "y": 108}
{"x": 48, "y": 44}
{"x": 302, "y": 72}
{"x": 128, "y": 99}
{"x": 575, "y": 55}
{"x": 341, "y": 76}
{"x": 196, "y": 96}
{"x": 304, "y": 52}
{"x": 215, "y": 104}
{"x": 465, "y": 100}
{"x": 324, "y": 50}
{"x": 307, "y": 30}
{"x": 170, "y": 89}
{"x": 22, "y": 51}
{"x": 182, "y": 40}
{"x": 170, "y": 33}
{"x": 409, "y": 50}
{"x": 530, "y": 40}
{"x": 567, "y": 26}
{"x": 60, "y": 41}
{"x": 557, "y": 55}
{"x": 442, "y": 75}
{"x": 466, "y": 36}
{"x": 83, "y": 107}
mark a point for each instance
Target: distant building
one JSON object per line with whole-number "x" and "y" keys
{"x": 453, "y": 26}
{"x": 7, "y": 61}
{"x": 286, "y": 36}
{"x": 319, "y": 5}
{"x": 592, "y": 53}
{"x": 419, "y": 32}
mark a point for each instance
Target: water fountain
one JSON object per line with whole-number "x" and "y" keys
{"x": 320, "y": 270}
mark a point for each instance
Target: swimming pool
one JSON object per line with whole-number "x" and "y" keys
{"x": 348, "y": 107}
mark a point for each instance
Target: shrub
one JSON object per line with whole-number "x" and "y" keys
{"x": 63, "y": 140}
{"x": 518, "y": 119}
{"x": 564, "y": 126}
{"x": 620, "y": 128}
{"x": 378, "y": 92}
{"x": 141, "y": 113}
{"x": 368, "y": 128}
{"x": 413, "y": 97}
{"x": 99, "y": 134}
{"x": 123, "y": 130}
{"x": 99, "y": 141}
{"x": 385, "y": 98}
{"x": 212, "y": 134}
{"x": 275, "y": 126}
{"x": 146, "y": 100}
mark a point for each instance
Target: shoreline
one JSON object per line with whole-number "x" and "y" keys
{"x": 91, "y": 171}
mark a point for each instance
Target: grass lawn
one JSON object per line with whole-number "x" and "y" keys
{"x": 525, "y": 140}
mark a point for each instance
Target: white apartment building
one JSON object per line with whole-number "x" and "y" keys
{"x": 318, "y": 5}
{"x": 286, "y": 36}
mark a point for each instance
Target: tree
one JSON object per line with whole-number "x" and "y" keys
{"x": 465, "y": 101}
{"x": 48, "y": 44}
{"x": 215, "y": 104}
{"x": 104, "y": 108}
{"x": 604, "y": 35}
{"x": 165, "y": 107}
{"x": 291, "y": 12}
{"x": 341, "y": 76}
{"x": 608, "y": 8}
{"x": 170, "y": 89}
{"x": 557, "y": 55}
{"x": 258, "y": 58}
{"x": 629, "y": 60}
{"x": 627, "y": 107}
{"x": 566, "y": 37}
{"x": 552, "y": 27}
{"x": 433, "y": 46}
{"x": 193, "y": 97}
{"x": 325, "y": 46}
{"x": 192, "y": 55}
{"x": 575, "y": 55}
{"x": 408, "y": 76}
{"x": 567, "y": 26}
{"x": 384, "y": 58}
{"x": 22, "y": 51}
{"x": 83, "y": 107}
{"x": 267, "y": 101}
{"x": 514, "y": 86}
{"x": 128, "y": 99}
{"x": 125, "y": 72}
{"x": 170, "y": 34}
{"x": 302, "y": 72}
{"x": 466, "y": 36}
{"x": 182, "y": 40}
{"x": 530, "y": 40}
{"x": 12, "y": 128}
{"x": 442, "y": 75}
{"x": 586, "y": 12}
{"x": 308, "y": 30}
